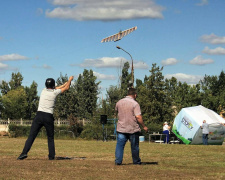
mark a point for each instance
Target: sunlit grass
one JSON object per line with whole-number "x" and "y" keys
{"x": 173, "y": 161}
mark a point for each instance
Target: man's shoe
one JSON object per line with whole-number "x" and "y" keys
{"x": 22, "y": 156}
{"x": 51, "y": 158}
{"x": 118, "y": 164}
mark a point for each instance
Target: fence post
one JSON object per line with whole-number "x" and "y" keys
{"x": 21, "y": 121}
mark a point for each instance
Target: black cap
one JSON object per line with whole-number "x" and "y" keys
{"x": 50, "y": 83}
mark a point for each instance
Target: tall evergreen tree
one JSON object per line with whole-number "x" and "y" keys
{"x": 126, "y": 80}
{"x": 155, "y": 102}
{"x": 209, "y": 92}
{"x": 87, "y": 92}
{"x": 65, "y": 104}
{"x": 14, "y": 83}
{"x": 32, "y": 100}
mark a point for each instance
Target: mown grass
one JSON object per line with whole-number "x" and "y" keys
{"x": 173, "y": 161}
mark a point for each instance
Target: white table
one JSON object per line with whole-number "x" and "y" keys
{"x": 160, "y": 138}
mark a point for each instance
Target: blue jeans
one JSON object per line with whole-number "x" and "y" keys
{"x": 121, "y": 141}
{"x": 205, "y": 139}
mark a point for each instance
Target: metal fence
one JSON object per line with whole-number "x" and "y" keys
{"x": 29, "y": 122}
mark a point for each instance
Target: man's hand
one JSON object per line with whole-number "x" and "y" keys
{"x": 71, "y": 78}
{"x": 145, "y": 128}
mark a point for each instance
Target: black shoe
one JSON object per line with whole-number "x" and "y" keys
{"x": 138, "y": 163}
{"x": 118, "y": 164}
{"x": 51, "y": 158}
{"x": 22, "y": 156}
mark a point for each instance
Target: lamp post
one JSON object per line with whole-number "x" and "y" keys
{"x": 132, "y": 66}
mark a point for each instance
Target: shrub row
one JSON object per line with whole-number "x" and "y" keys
{"x": 90, "y": 131}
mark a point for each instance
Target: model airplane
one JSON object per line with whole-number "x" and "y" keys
{"x": 119, "y": 36}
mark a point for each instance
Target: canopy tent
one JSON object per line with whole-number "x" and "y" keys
{"x": 187, "y": 124}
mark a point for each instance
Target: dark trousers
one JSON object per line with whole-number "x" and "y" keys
{"x": 42, "y": 119}
{"x": 205, "y": 139}
{"x": 167, "y": 137}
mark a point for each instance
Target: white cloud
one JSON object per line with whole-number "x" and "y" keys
{"x": 203, "y": 3}
{"x": 3, "y": 66}
{"x": 216, "y": 51}
{"x": 140, "y": 65}
{"x": 213, "y": 39}
{"x": 107, "y": 10}
{"x": 189, "y": 79}
{"x": 169, "y": 61}
{"x": 13, "y": 57}
{"x": 104, "y": 77}
{"x": 104, "y": 62}
{"x": 199, "y": 60}
{"x": 111, "y": 62}
{"x": 44, "y": 66}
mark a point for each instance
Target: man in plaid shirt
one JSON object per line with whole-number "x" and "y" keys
{"x": 128, "y": 126}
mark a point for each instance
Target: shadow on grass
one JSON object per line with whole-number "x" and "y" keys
{"x": 69, "y": 158}
{"x": 142, "y": 163}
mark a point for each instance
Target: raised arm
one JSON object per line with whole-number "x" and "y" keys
{"x": 66, "y": 85}
{"x": 60, "y": 87}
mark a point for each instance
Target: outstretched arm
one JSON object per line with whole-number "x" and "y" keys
{"x": 60, "y": 87}
{"x": 66, "y": 85}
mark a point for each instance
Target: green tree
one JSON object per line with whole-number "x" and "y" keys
{"x": 32, "y": 100}
{"x": 209, "y": 92}
{"x": 112, "y": 97}
{"x": 4, "y": 87}
{"x": 155, "y": 102}
{"x": 115, "y": 93}
{"x": 125, "y": 79}
{"x": 87, "y": 92}
{"x": 213, "y": 95}
{"x": 13, "y": 88}
{"x": 1, "y": 105}
{"x": 14, "y": 104}
{"x": 65, "y": 104}
{"x": 220, "y": 92}
{"x": 16, "y": 81}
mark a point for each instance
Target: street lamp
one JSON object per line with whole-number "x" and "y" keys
{"x": 132, "y": 66}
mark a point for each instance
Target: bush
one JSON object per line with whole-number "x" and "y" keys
{"x": 94, "y": 130}
{"x": 18, "y": 131}
{"x": 75, "y": 126}
{"x": 23, "y": 131}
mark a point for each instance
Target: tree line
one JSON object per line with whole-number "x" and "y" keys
{"x": 160, "y": 99}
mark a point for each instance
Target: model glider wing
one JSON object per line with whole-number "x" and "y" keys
{"x": 120, "y": 35}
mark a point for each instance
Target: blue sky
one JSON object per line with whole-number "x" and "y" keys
{"x": 44, "y": 38}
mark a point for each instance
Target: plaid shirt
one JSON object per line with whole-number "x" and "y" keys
{"x": 127, "y": 109}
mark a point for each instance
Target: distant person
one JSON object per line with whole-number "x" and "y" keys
{"x": 166, "y": 131}
{"x": 44, "y": 116}
{"x": 129, "y": 119}
{"x": 205, "y": 132}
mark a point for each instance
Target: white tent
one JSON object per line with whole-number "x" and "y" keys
{"x": 187, "y": 124}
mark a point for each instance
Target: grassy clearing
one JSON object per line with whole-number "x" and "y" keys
{"x": 164, "y": 161}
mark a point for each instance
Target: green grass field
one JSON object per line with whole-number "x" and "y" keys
{"x": 172, "y": 161}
